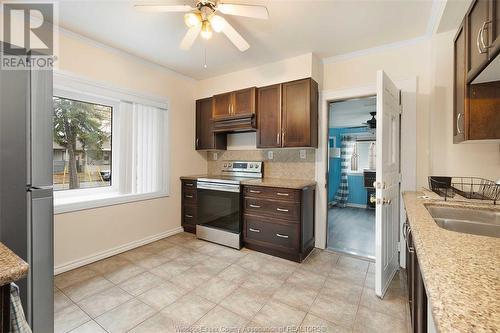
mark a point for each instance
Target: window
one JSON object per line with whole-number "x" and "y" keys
{"x": 362, "y": 151}
{"x": 110, "y": 145}
{"x": 82, "y": 144}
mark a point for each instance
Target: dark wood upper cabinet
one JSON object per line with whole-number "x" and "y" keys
{"x": 300, "y": 113}
{"x": 476, "y": 86}
{"x": 205, "y": 137}
{"x": 269, "y": 117}
{"x": 243, "y": 102}
{"x": 221, "y": 106}
{"x": 459, "y": 86}
{"x": 234, "y": 104}
{"x": 476, "y": 31}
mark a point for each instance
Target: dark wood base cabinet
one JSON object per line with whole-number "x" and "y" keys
{"x": 417, "y": 296}
{"x": 189, "y": 206}
{"x": 279, "y": 221}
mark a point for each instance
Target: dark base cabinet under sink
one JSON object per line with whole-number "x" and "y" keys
{"x": 279, "y": 221}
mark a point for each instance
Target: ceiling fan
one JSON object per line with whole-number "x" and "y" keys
{"x": 372, "y": 123}
{"x": 204, "y": 18}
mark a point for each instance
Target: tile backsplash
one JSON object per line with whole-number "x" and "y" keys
{"x": 286, "y": 163}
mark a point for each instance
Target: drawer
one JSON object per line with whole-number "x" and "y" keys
{"x": 189, "y": 215}
{"x": 281, "y": 235}
{"x": 189, "y": 184}
{"x": 272, "y": 193}
{"x": 273, "y": 208}
{"x": 189, "y": 196}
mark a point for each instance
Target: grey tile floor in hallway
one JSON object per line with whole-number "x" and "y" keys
{"x": 352, "y": 230}
{"x": 181, "y": 283}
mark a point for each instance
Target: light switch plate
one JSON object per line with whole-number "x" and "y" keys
{"x": 270, "y": 155}
{"x": 302, "y": 154}
{"x": 215, "y": 156}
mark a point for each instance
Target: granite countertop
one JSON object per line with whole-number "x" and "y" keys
{"x": 12, "y": 268}
{"x": 268, "y": 182}
{"x": 461, "y": 272}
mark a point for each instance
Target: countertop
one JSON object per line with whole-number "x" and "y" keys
{"x": 268, "y": 182}
{"x": 12, "y": 268}
{"x": 461, "y": 272}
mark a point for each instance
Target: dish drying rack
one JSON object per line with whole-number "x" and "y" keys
{"x": 467, "y": 187}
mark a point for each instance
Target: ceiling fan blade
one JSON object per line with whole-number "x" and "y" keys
{"x": 258, "y": 12}
{"x": 235, "y": 37}
{"x": 158, "y": 7}
{"x": 190, "y": 37}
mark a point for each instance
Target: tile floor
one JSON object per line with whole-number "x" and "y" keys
{"x": 181, "y": 284}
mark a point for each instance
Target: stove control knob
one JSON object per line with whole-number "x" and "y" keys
{"x": 230, "y": 164}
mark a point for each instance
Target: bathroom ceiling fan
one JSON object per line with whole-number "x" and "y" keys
{"x": 204, "y": 17}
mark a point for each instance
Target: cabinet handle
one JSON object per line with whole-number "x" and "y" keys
{"x": 189, "y": 196}
{"x": 459, "y": 130}
{"x": 254, "y": 206}
{"x": 281, "y": 236}
{"x": 282, "y": 194}
{"x": 254, "y": 230}
{"x": 254, "y": 191}
{"x": 188, "y": 216}
{"x": 197, "y": 142}
{"x": 278, "y": 138}
{"x": 283, "y": 131}
{"x": 282, "y": 210}
{"x": 189, "y": 184}
{"x": 481, "y": 34}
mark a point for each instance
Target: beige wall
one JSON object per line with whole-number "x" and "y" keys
{"x": 431, "y": 61}
{"x": 83, "y": 234}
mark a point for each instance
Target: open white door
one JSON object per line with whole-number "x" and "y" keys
{"x": 387, "y": 183}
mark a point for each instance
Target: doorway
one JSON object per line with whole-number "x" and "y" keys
{"x": 351, "y": 174}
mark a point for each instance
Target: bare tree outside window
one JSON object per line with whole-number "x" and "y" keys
{"x": 82, "y": 144}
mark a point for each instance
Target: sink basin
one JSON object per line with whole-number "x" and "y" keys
{"x": 481, "y": 222}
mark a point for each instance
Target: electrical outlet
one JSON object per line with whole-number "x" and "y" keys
{"x": 302, "y": 154}
{"x": 215, "y": 156}
{"x": 270, "y": 155}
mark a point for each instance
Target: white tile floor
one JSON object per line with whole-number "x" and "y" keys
{"x": 184, "y": 284}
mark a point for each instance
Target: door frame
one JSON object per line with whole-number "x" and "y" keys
{"x": 408, "y": 155}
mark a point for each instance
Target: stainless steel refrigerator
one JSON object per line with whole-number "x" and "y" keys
{"x": 26, "y": 200}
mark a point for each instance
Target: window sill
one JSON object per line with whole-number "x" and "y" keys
{"x": 84, "y": 202}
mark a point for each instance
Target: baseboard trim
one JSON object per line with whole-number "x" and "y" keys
{"x": 114, "y": 251}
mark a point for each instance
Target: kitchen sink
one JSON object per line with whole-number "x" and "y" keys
{"x": 482, "y": 222}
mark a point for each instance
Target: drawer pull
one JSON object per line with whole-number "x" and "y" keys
{"x": 254, "y": 206}
{"x": 282, "y": 210}
{"x": 188, "y": 216}
{"x": 254, "y": 191}
{"x": 282, "y": 194}
{"x": 189, "y": 184}
{"x": 189, "y": 196}
{"x": 254, "y": 230}
{"x": 281, "y": 236}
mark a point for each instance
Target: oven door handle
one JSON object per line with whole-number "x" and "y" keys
{"x": 218, "y": 187}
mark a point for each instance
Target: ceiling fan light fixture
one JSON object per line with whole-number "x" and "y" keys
{"x": 192, "y": 19}
{"x": 218, "y": 23}
{"x": 206, "y": 30}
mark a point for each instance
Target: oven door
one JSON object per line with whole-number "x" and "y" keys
{"x": 219, "y": 214}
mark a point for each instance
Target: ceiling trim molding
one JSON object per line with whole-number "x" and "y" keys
{"x": 373, "y": 50}
{"x": 120, "y": 52}
{"x": 437, "y": 11}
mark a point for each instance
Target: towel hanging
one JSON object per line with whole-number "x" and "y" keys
{"x": 18, "y": 323}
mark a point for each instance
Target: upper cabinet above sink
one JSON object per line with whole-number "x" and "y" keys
{"x": 476, "y": 115}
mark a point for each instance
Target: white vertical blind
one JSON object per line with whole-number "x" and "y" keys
{"x": 142, "y": 148}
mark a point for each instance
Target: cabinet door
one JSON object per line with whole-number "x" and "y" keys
{"x": 300, "y": 112}
{"x": 495, "y": 28}
{"x": 221, "y": 106}
{"x": 243, "y": 102}
{"x": 269, "y": 117}
{"x": 476, "y": 32}
{"x": 484, "y": 111}
{"x": 205, "y": 137}
{"x": 459, "y": 87}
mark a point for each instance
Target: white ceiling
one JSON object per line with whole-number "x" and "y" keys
{"x": 324, "y": 27}
{"x": 352, "y": 112}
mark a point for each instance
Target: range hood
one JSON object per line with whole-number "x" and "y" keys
{"x": 235, "y": 124}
